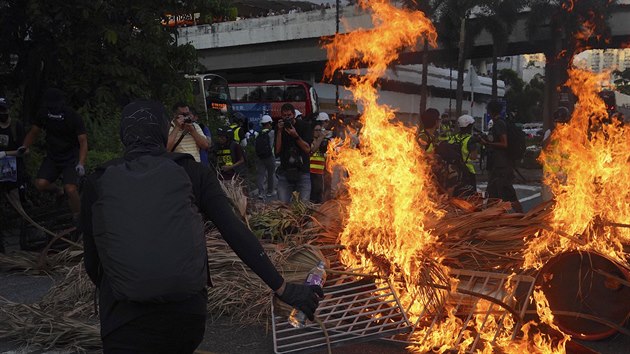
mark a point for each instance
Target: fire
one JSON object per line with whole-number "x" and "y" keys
{"x": 392, "y": 200}
{"x": 588, "y": 163}
{"x": 389, "y": 186}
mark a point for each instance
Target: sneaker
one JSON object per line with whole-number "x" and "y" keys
{"x": 261, "y": 197}
{"x": 269, "y": 195}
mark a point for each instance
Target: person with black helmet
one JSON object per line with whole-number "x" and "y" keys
{"x": 66, "y": 147}
{"x": 230, "y": 155}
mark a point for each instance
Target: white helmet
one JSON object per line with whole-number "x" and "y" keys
{"x": 465, "y": 120}
{"x": 266, "y": 119}
{"x": 322, "y": 117}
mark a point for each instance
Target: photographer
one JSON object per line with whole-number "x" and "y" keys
{"x": 185, "y": 135}
{"x": 293, "y": 146}
{"x": 318, "y": 162}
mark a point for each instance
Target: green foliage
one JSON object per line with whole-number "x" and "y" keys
{"x": 524, "y": 100}
{"x": 622, "y": 81}
{"x": 102, "y": 53}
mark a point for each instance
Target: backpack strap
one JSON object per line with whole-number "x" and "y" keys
{"x": 181, "y": 137}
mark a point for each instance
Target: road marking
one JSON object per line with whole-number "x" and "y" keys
{"x": 533, "y": 196}
{"x": 524, "y": 187}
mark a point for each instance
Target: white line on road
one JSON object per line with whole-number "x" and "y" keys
{"x": 533, "y": 196}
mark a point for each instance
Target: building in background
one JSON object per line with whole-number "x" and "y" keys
{"x": 600, "y": 60}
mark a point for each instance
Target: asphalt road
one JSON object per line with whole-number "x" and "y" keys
{"x": 223, "y": 336}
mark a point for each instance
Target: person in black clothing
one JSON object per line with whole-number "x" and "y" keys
{"x": 501, "y": 166}
{"x": 66, "y": 147}
{"x": 11, "y": 166}
{"x": 293, "y": 145}
{"x": 171, "y": 327}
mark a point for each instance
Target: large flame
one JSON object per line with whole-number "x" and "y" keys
{"x": 587, "y": 164}
{"x": 392, "y": 198}
{"x": 389, "y": 186}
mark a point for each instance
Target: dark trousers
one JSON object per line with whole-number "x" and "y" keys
{"x": 317, "y": 188}
{"x": 500, "y": 184}
{"x": 172, "y": 333}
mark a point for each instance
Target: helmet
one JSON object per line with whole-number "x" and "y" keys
{"x": 465, "y": 120}
{"x": 561, "y": 115}
{"x": 225, "y": 131}
{"x": 266, "y": 119}
{"x": 322, "y": 117}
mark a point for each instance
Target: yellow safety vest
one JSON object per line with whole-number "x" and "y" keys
{"x": 427, "y": 140}
{"x": 318, "y": 162}
{"x": 463, "y": 140}
{"x": 236, "y": 129}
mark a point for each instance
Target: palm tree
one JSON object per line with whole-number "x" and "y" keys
{"x": 428, "y": 7}
{"x": 453, "y": 18}
{"x": 498, "y": 18}
{"x": 565, "y": 19}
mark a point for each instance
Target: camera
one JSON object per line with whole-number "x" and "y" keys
{"x": 187, "y": 120}
{"x": 287, "y": 123}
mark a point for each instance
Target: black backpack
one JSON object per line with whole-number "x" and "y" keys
{"x": 148, "y": 231}
{"x": 262, "y": 145}
{"x": 450, "y": 168}
{"x": 516, "y": 141}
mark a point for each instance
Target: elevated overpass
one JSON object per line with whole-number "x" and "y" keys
{"x": 291, "y": 43}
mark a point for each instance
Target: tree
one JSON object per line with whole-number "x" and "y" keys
{"x": 428, "y": 8}
{"x": 453, "y": 17}
{"x": 498, "y": 18}
{"x": 524, "y": 100}
{"x": 574, "y": 26}
{"x": 102, "y": 53}
{"x": 622, "y": 80}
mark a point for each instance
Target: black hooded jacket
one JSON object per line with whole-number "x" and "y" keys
{"x": 144, "y": 130}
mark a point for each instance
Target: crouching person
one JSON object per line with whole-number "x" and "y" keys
{"x": 144, "y": 241}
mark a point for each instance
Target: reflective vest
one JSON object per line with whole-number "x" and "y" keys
{"x": 463, "y": 140}
{"x": 236, "y": 130}
{"x": 224, "y": 157}
{"x": 318, "y": 162}
{"x": 426, "y": 141}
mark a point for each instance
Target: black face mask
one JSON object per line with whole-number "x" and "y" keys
{"x": 4, "y": 117}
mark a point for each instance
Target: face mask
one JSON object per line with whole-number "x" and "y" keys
{"x": 4, "y": 117}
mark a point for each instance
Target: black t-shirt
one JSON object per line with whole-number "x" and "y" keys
{"x": 62, "y": 129}
{"x": 8, "y": 142}
{"x": 291, "y": 155}
{"x": 500, "y": 157}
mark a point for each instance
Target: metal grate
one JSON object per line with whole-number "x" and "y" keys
{"x": 474, "y": 286}
{"x": 355, "y": 308}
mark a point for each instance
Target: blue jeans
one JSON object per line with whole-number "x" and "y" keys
{"x": 302, "y": 185}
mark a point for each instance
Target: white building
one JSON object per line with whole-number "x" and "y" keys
{"x": 600, "y": 60}
{"x": 526, "y": 66}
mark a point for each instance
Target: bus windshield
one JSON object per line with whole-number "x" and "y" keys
{"x": 258, "y": 98}
{"x": 211, "y": 94}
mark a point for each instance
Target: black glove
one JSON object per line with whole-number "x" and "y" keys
{"x": 303, "y": 297}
